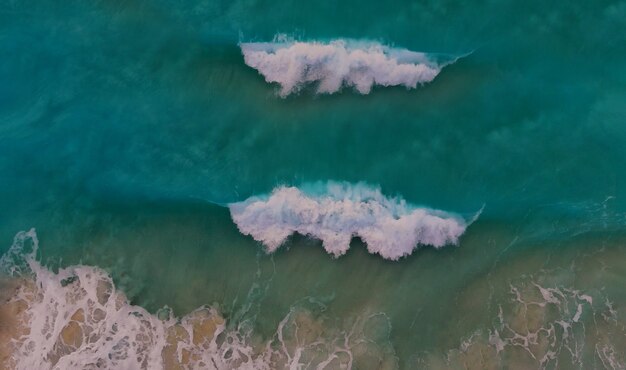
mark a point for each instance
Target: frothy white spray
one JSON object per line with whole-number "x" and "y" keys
{"x": 335, "y": 212}
{"x": 338, "y": 63}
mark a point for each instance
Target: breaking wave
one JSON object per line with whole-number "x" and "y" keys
{"x": 338, "y": 63}
{"x": 336, "y": 212}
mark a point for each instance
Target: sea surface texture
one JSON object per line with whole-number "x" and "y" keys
{"x": 252, "y": 184}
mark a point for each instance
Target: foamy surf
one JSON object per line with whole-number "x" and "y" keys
{"x": 336, "y": 212}
{"x": 77, "y": 319}
{"x": 340, "y": 63}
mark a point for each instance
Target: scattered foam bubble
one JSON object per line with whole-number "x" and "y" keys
{"x": 77, "y": 319}
{"x": 335, "y": 212}
{"x": 541, "y": 327}
{"x": 338, "y": 63}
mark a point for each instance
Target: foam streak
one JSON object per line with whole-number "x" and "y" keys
{"x": 76, "y": 319}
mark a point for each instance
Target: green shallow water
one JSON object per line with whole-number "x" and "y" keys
{"x": 124, "y": 123}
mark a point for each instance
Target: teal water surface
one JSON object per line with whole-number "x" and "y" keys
{"x": 125, "y": 126}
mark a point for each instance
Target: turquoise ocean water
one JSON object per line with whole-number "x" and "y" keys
{"x": 127, "y": 127}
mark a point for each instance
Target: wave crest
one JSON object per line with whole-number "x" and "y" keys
{"x": 335, "y": 212}
{"x": 339, "y": 63}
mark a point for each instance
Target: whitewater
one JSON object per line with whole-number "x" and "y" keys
{"x": 335, "y": 64}
{"x": 335, "y": 212}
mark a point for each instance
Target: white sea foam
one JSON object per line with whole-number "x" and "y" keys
{"x": 76, "y": 319}
{"x": 541, "y": 327}
{"x": 338, "y": 63}
{"x": 336, "y": 212}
